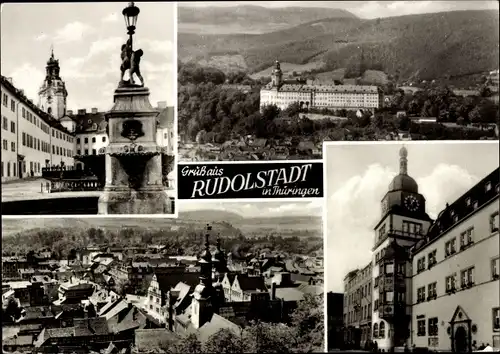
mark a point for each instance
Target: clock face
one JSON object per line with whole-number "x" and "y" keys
{"x": 411, "y": 203}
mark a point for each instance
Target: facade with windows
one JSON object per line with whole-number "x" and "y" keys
{"x": 403, "y": 222}
{"x": 358, "y": 307}
{"x": 31, "y": 138}
{"x": 352, "y": 97}
{"x": 435, "y": 284}
{"x": 456, "y": 296}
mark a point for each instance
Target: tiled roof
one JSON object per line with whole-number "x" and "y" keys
{"x": 289, "y": 294}
{"x": 168, "y": 281}
{"x": 23, "y": 340}
{"x": 90, "y": 326}
{"x": 89, "y": 122}
{"x": 250, "y": 283}
{"x": 462, "y": 208}
{"x": 215, "y": 324}
{"x": 127, "y": 319}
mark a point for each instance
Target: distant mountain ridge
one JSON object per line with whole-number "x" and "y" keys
{"x": 455, "y": 43}
{"x": 250, "y": 18}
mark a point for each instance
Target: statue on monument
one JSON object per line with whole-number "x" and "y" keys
{"x": 130, "y": 62}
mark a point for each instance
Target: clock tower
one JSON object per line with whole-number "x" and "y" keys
{"x": 403, "y": 222}
{"x": 52, "y": 94}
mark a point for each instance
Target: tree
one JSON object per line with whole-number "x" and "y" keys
{"x": 225, "y": 341}
{"x": 189, "y": 344}
{"x": 308, "y": 320}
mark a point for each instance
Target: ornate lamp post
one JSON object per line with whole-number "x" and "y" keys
{"x": 133, "y": 158}
{"x": 130, "y": 14}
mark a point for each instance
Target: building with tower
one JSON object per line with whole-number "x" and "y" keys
{"x": 283, "y": 93}
{"x": 52, "y": 94}
{"x": 47, "y": 134}
{"x": 31, "y": 137}
{"x": 403, "y": 222}
{"x": 427, "y": 274}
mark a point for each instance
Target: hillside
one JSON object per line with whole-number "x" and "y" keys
{"x": 249, "y": 18}
{"x": 455, "y": 44}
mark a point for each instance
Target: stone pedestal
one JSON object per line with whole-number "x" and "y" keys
{"x": 133, "y": 157}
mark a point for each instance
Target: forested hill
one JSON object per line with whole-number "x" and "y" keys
{"x": 425, "y": 45}
{"x": 249, "y": 18}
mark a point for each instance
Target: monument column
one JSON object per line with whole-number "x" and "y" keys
{"x": 133, "y": 157}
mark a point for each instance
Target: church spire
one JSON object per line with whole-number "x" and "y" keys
{"x": 403, "y": 161}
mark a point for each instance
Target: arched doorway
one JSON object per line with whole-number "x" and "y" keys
{"x": 460, "y": 340}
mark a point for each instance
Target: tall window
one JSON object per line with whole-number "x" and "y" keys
{"x": 5, "y": 100}
{"x": 496, "y": 319}
{"x": 450, "y": 283}
{"x": 5, "y": 144}
{"x": 433, "y": 326}
{"x": 421, "y": 328}
{"x": 432, "y": 258}
{"x": 103, "y": 139}
{"x": 450, "y": 247}
{"x": 86, "y": 140}
{"x": 375, "y": 330}
{"x": 12, "y": 127}
{"x": 381, "y": 332}
{"x": 12, "y": 105}
{"x": 467, "y": 277}
{"x": 420, "y": 264}
{"x": 421, "y": 294}
{"x": 495, "y": 265}
{"x": 5, "y": 123}
{"x": 432, "y": 291}
{"x": 13, "y": 146}
{"x": 494, "y": 222}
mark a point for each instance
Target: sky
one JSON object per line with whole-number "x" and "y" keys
{"x": 368, "y": 9}
{"x": 258, "y": 209}
{"x": 87, "y": 39}
{"x": 359, "y": 176}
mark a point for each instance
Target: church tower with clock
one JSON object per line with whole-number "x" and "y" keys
{"x": 403, "y": 222}
{"x": 52, "y": 94}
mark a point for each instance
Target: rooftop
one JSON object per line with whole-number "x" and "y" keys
{"x": 483, "y": 193}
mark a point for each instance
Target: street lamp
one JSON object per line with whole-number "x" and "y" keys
{"x": 130, "y": 14}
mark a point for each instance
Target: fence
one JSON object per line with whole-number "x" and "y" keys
{"x": 70, "y": 186}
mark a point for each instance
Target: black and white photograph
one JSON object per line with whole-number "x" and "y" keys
{"x": 225, "y": 277}
{"x": 273, "y": 80}
{"x": 88, "y": 108}
{"x": 413, "y": 246}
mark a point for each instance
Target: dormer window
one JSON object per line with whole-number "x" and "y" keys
{"x": 467, "y": 201}
{"x": 487, "y": 187}
{"x": 455, "y": 218}
{"x": 452, "y": 212}
{"x": 476, "y": 204}
{"x": 89, "y": 121}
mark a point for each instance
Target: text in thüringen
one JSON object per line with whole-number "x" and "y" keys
{"x": 250, "y": 181}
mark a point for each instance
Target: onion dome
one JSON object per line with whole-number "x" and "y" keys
{"x": 403, "y": 182}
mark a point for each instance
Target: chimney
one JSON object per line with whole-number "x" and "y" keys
{"x": 273, "y": 291}
{"x": 82, "y": 111}
{"x": 70, "y": 112}
{"x": 94, "y": 110}
{"x": 162, "y": 104}
{"x": 286, "y": 278}
{"x": 9, "y": 79}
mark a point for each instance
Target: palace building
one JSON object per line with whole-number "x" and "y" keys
{"x": 48, "y": 134}
{"x": 283, "y": 93}
{"x": 456, "y": 287}
{"x": 31, "y": 137}
{"x": 427, "y": 275}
